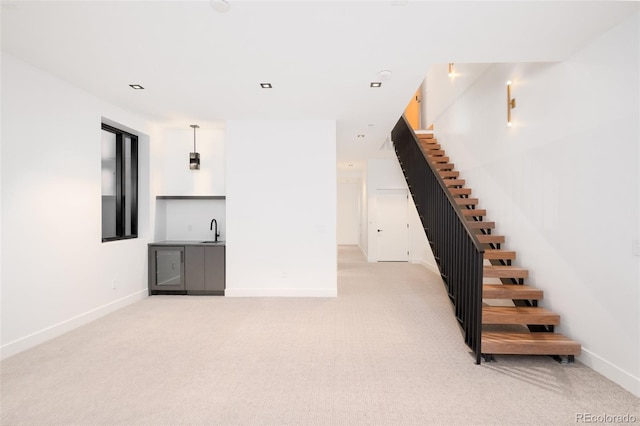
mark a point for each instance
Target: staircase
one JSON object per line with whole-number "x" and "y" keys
{"x": 512, "y": 321}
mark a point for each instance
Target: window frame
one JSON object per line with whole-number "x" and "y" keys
{"x": 121, "y": 193}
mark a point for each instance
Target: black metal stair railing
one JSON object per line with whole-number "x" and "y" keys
{"x": 456, "y": 249}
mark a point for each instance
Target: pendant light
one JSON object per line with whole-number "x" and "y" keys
{"x": 194, "y": 157}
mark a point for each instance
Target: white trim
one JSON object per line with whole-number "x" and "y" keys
{"x": 362, "y": 249}
{"x": 611, "y": 371}
{"x": 65, "y": 326}
{"x": 281, "y": 292}
{"x": 430, "y": 266}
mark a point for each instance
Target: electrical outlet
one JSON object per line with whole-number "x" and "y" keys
{"x": 114, "y": 284}
{"x": 636, "y": 247}
{"x": 189, "y": 227}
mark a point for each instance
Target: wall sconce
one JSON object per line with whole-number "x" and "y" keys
{"x": 194, "y": 157}
{"x": 451, "y": 70}
{"x": 511, "y": 103}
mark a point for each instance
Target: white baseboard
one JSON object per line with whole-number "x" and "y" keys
{"x": 364, "y": 251}
{"x": 281, "y": 292}
{"x": 34, "y": 339}
{"x": 430, "y": 266}
{"x": 610, "y": 371}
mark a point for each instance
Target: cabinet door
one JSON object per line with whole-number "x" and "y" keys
{"x": 194, "y": 268}
{"x": 214, "y": 269}
{"x": 166, "y": 268}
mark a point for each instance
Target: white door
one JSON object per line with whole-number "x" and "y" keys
{"x": 392, "y": 230}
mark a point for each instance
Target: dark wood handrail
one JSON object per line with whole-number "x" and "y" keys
{"x": 455, "y": 246}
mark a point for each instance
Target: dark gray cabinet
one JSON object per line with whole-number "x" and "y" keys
{"x": 214, "y": 272}
{"x": 188, "y": 269}
{"x": 195, "y": 268}
{"x": 204, "y": 269}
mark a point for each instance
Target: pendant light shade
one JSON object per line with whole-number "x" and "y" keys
{"x": 194, "y": 157}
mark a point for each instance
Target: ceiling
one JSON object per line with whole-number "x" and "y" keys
{"x": 201, "y": 66}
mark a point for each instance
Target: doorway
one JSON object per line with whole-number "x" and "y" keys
{"x": 392, "y": 230}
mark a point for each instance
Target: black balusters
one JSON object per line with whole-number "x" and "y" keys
{"x": 458, "y": 252}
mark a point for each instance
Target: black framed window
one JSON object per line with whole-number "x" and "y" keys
{"x": 119, "y": 184}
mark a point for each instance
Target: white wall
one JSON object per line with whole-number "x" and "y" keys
{"x": 348, "y": 214}
{"x": 364, "y": 215}
{"x": 562, "y": 183}
{"x": 384, "y": 174}
{"x": 188, "y": 219}
{"x": 177, "y": 178}
{"x": 281, "y": 208}
{"x": 56, "y": 272}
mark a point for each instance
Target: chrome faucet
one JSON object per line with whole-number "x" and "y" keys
{"x": 213, "y": 221}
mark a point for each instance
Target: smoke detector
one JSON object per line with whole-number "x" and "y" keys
{"x": 221, "y": 6}
{"x": 384, "y": 74}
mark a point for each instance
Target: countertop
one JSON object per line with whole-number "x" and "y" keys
{"x": 188, "y": 243}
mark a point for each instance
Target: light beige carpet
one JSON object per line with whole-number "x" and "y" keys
{"x": 387, "y": 351}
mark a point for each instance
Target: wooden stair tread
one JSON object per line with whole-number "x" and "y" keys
{"x": 493, "y": 254}
{"x": 474, "y": 212}
{"x": 460, "y": 191}
{"x": 430, "y": 146}
{"x": 466, "y": 201}
{"x": 528, "y": 344}
{"x": 511, "y": 291}
{"x": 436, "y": 153}
{"x": 423, "y": 136}
{"x": 519, "y": 315}
{"x": 478, "y": 224}
{"x": 454, "y": 182}
{"x": 448, "y": 174}
{"x": 490, "y": 238}
{"x": 443, "y": 166}
{"x": 492, "y": 271}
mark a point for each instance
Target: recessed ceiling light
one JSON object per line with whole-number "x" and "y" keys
{"x": 136, "y": 86}
{"x": 266, "y": 85}
{"x": 375, "y": 84}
